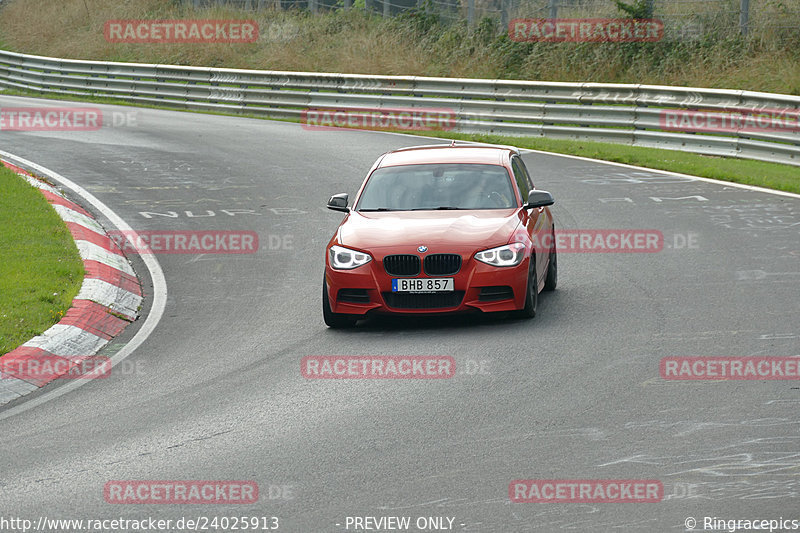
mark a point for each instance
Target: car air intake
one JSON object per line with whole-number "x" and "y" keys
{"x": 423, "y": 300}
{"x": 493, "y": 294}
{"x": 442, "y": 264}
{"x": 401, "y": 265}
{"x": 357, "y": 296}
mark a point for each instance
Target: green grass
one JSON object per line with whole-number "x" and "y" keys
{"x": 762, "y": 174}
{"x": 41, "y": 271}
{"x": 420, "y": 43}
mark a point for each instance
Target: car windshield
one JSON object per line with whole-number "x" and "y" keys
{"x": 438, "y": 186}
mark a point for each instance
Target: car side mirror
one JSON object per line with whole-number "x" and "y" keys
{"x": 539, "y": 199}
{"x": 338, "y": 202}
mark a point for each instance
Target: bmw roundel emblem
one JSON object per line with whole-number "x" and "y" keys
{"x": 422, "y": 249}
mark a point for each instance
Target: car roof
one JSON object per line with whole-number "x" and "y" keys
{"x": 491, "y": 154}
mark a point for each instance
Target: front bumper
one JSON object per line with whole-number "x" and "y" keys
{"x": 477, "y": 286}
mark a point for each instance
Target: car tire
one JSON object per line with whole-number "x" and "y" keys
{"x": 334, "y": 320}
{"x": 551, "y": 280}
{"x": 532, "y": 290}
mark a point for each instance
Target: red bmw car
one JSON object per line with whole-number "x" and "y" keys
{"x": 441, "y": 229}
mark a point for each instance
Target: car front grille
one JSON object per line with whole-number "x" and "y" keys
{"x": 442, "y": 264}
{"x": 426, "y": 300}
{"x": 401, "y": 265}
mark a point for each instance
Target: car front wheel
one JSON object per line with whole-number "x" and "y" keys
{"x": 532, "y": 297}
{"x": 551, "y": 280}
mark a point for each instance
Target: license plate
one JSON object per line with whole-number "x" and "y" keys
{"x": 422, "y": 285}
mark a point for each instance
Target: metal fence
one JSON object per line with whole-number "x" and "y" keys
{"x": 683, "y": 19}
{"x": 629, "y": 114}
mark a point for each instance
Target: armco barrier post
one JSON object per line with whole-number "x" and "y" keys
{"x": 744, "y": 15}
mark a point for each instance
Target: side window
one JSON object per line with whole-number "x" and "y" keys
{"x": 525, "y": 170}
{"x": 521, "y": 175}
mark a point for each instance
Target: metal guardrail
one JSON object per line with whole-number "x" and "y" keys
{"x": 616, "y": 113}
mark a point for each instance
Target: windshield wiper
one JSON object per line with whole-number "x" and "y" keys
{"x": 376, "y": 209}
{"x": 440, "y": 208}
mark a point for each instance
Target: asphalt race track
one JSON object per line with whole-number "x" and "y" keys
{"x": 215, "y": 392}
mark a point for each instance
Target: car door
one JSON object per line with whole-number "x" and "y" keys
{"x": 538, "y": 222}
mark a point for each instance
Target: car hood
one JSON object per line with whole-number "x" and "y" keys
{"x": 434, "y": 229}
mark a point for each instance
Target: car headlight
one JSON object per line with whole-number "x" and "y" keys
{"x": 503, "y": 256}
{"x": 345, "y": 259}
